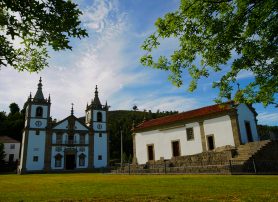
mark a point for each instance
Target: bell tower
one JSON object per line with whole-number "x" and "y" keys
{"x": 34, "y": 134}
{"x": 96, "y": 119}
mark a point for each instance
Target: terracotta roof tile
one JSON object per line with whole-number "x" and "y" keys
{"x": 185, "y": 115}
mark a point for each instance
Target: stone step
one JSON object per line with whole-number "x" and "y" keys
{"x": 245, "y": 152}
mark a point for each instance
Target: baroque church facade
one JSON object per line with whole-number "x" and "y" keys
{"x": 70, "y": 144}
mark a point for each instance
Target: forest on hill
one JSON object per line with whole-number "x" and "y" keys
{"x": 12, "y": 123}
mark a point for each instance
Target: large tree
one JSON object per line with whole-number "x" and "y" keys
{"x": 212, "y": 33}
{"x": 38, "y": 24}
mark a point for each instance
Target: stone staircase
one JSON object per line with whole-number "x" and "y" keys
{"x": 248, "y": 150}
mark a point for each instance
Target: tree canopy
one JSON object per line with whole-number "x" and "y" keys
{"x": 38, "y": 25}
{"x": 14, "y": 108}
{"x": 2, "y": 153}
{"x": 212, "y": 33}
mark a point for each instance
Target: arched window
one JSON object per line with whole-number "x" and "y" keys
{"x": 58, "y": 160}
{"x": 99, "y": 117}
{"x": 39, "y": 111}
{"x": 82, "y": 159}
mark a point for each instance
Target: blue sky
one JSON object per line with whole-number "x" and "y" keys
{"x": 109, "y": 58}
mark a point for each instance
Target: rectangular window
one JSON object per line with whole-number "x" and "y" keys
{"x": 82, "y": 139}
{"x": 37, "y": 132}
{"x": 176, "y": 148}
{"x": 100, "y": 134}
{"x": 99, "y": 157}
{"x": 189, "y": 134}
{"x": 59, "y": 138}
{"x": 35, "y": 158}
{"x": 12, "y": 146}
{"x": 36, "y": 149}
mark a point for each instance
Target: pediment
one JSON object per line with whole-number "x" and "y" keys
{"x": 69, "y": 122}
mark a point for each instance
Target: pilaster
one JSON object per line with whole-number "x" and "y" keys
{"x": 91, "y": 149}
{"x": 235, "y": 128}
{"x": 203, "y": 136}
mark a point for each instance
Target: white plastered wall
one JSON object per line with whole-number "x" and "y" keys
{"x": 62, "y": 125}
{"x": 221, "y": 128}
{"x": 100, "y": 148}
{"x": 245, "y": 114}
{"x": 162, "y": 141}
{"x": 36, "y": 147}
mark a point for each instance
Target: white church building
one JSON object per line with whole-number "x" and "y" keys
{"x": 70, "y": 144}
{"x": 195, "y": 131}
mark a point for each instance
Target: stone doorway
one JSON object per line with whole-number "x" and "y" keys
{"x": 176, "y": 148}
{"x": 248, "y": 131}
{"x": 210, "y": 142}
{"x": 150, "y": 152}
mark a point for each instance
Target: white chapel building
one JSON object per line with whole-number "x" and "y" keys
{"x": 195, "y": 131}
{"x": 70, "y": 144}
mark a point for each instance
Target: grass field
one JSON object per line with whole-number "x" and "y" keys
{"x": 108, "y": 187}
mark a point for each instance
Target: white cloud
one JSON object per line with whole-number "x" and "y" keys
{"x": 243, "y": 74}
{"x": 96, "y": 60}
{"x": 268, "y": 118}
{"x": 155, "y": 102}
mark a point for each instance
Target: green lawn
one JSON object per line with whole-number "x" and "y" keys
{"x": 105, "y": 187}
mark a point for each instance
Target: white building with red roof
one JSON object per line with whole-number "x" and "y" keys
{"x": 195, "y": 131}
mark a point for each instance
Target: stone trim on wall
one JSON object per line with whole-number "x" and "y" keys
{"x": 134, "y": 160}
{"x": 235, "y": 128}
{"x": 91, "y": 149}
{"x": 203, "y": 137}
{"x": 48, "y": 151}
{"x": 24, "y": 155}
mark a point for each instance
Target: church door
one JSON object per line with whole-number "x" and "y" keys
{"x": 70, "y": 161}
